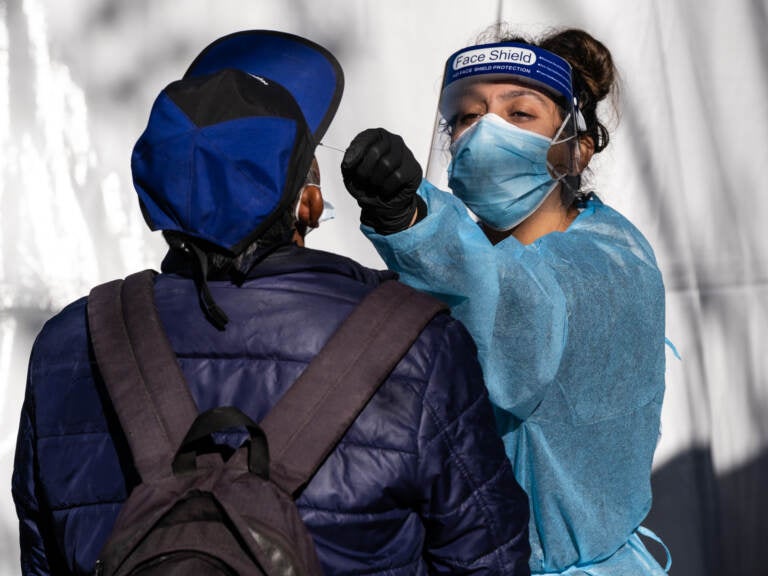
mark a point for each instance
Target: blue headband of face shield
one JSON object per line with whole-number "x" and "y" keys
{"x": 531, "y": 64}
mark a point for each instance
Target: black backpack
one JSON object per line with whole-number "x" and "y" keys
{"x": 197, "y": 510}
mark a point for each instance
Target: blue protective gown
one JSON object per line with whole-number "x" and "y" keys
{"x": 570, "y": 332}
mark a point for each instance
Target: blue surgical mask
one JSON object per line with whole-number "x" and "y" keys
{"x": 500, "y": 171}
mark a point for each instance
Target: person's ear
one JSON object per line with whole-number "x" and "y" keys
{"x": 586, "y": 151}
{"x": 310, "y": 206}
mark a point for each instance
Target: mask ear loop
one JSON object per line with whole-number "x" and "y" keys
{"x": 328, "y": 213}
{"x": 574, "y": 149}
{"x": 574, "y": 183}
{"x": 570, "y": 181}
{"x": 555, "y": 138}
{"x": 581, "y": 126}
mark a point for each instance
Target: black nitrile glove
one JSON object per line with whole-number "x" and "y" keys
{"x": 382, "y": 174}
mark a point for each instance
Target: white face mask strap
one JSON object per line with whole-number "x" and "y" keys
{"x": 581, "y": 124}
{"x": 556, "y": 140}
{"x": 556, "y": 137}
{"x": 553, "y": 172}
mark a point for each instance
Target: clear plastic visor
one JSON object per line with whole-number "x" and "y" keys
{"x": 521, "y": 101}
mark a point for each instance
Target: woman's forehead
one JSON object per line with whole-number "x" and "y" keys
{"x": 502, "y": 90}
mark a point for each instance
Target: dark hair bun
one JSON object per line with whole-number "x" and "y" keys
{"x": 588, "y": 56}
{"x": 595, "y": 76}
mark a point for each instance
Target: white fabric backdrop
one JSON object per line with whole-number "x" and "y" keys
{"x": 686, "y": 164}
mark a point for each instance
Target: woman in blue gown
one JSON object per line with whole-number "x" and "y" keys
{"x": 561, "y": 293}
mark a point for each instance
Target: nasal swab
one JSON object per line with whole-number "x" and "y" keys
{"x": 324, "y": 145}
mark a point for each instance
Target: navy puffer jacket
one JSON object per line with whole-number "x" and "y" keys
{"x": 420, "y": 483}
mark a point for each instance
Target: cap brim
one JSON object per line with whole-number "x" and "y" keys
{"x": 308, "y": 71}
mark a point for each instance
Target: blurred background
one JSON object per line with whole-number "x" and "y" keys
{"x": 686, "y": 165}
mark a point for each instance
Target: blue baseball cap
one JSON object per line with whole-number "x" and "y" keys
{"x": 308, "y": 71}
{"x": 227, "y": 148}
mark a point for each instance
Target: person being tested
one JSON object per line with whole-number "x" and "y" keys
{"x": 225, "y": 168}
{"x": 561, "y": 293}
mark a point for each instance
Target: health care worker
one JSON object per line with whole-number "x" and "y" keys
{"x": 561, "y": 293}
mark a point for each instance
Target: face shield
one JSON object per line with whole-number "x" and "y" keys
{"x": 525, "y": 85}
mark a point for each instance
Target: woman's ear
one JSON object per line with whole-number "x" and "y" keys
{"x": 586, "y": 151}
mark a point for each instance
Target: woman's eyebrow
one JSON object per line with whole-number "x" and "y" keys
{"x": 515, "y": 93}
{"x": 478, "y": 96}
{"x": 474, "y": 95}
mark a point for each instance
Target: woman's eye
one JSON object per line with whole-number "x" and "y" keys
{"x": 467, "y": 119}
{"x": 520, "y": 114}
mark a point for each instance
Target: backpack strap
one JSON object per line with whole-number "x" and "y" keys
{"x": 312, "y": 416}
{"x": 140, "y": 370}
{"x": 156, "y": 409}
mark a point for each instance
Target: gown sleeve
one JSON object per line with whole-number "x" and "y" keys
{"x": 505, "y": 294}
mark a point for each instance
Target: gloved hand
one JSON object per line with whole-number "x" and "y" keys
{"x": 383, "y": 175}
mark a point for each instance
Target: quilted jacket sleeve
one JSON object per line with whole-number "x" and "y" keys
{"x": 476, "y": 515}
{"x": 34, "y": 559}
